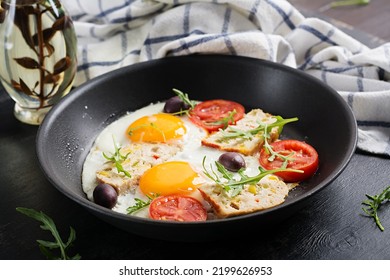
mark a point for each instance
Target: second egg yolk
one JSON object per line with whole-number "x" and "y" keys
{"x": 174, "y": 177}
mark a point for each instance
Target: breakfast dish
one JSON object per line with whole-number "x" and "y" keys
{"x": 183, "y": 160}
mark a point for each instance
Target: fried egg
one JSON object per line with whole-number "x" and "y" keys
{"x": 163, "y": 153}
{"x": 175, "y": 170}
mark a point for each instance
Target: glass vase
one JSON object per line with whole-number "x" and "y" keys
{"x": 37, "y": 55}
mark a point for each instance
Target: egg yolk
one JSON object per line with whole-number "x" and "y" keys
{"x": 156, "y": 128}
{"x": 173, "y": 177}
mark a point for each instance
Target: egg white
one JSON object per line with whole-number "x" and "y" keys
{"x": 193, "y": 153}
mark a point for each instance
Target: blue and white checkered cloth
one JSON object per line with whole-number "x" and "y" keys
{"x": 115, "y": 33}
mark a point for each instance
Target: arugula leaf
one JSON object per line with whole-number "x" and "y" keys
{"x": 117, "y": 158}
{"x": 186, "y": 100}
{"x": 341, "y": 3}
{"x": 46, "y": 247}
{"x": 225, "y": 121}
{"x": 140, "y": 204}
{"x": 234, "y": 186}
{"x": 273, "y": 154}
{"x": 184, "y": 97}
{"x": 232, "y": 132}
{"x": 374, "y": 202}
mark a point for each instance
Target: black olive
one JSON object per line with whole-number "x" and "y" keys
{"x": 232, "y": 161}
{"x": 105, "y": 195}
{"x": 174, "y": 105}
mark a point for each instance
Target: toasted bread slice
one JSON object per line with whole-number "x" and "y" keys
{"x": 268, "y": 192}
{"x": 140, "y": 157}
{"x": 246, "y": 146}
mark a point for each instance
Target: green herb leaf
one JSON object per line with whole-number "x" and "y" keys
{"x": 46, "y": 247}
{"x": 234, "y": 186}
{"x": 184, "y": 97}
{"x": 117, "y": 158}
{"x": 335, "y": 4}
{"x": 263, "y": 128}
{"x": 140, "y": 204}
{"x": 286, "y": 158}
{"x": 226, "y": 121}
{"x": 374, "y": 202}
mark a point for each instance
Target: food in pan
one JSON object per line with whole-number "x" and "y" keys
{"x": 185, "y": 160}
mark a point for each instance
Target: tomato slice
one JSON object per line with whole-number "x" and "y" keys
{"x": 303, "y": 157}
{"x": 177, "y": 208}
{"x": 215, "y": 114}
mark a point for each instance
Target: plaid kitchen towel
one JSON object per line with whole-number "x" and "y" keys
{"x": 115, "y": 33}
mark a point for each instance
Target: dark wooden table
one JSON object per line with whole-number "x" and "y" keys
{"x": 331, "y": 227}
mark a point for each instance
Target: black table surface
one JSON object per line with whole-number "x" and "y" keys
{"x": 332, "y": 226}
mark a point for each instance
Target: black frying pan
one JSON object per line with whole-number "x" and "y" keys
{"x": 325, "y": 121}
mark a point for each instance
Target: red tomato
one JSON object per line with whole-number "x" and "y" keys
{"x": 177, "y": 208}
{"x": 213, "y": 114}
{"x": 304, "y": 157}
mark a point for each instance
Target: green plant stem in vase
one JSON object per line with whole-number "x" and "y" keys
{"x": 37, "y": 55}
